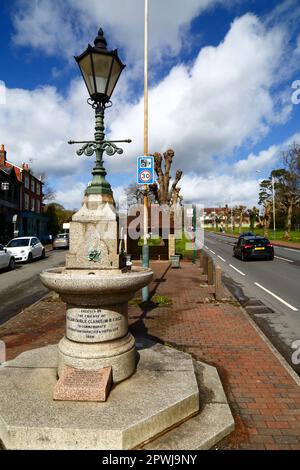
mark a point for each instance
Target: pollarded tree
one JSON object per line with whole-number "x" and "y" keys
{"x": 226, "y": 215}
{"x": 266, "y": 201}
{"x": 240, "y": 212}
{"x": 288, "y": 184}
{"x": 253, "y": 216}
{"x": 165, "y": 195}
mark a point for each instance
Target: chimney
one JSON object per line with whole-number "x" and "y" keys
{"x": 2, "y": 155}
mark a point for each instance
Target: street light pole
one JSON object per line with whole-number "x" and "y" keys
{"x": 145, "y": 250}
{"x": 274, "y": 211}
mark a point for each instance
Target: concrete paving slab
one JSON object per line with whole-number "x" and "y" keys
{"x": 147, "y": 404}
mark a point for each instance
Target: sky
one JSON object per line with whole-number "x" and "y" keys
{"x": 224, "y": 91}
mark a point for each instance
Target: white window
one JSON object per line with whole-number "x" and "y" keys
{"x": 26, "y": 181}
{"x": 26, "y": 202}
{"x": 32, "y": 207}
{"x": 38, "y": 206}
{"x": 38, "y": 188}
{"x": 5, "y": 186}
{"x": 32, "y": 185}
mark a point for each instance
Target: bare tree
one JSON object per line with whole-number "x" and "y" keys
{"x": 49, "y": 194}
{"x": 135, "y": 194}
{"x": 239, "y": 212}
{"x": 266, "y": 201}
{"x": 165, "y": 195}
{"x": 226, "y": 215}
{"x": 288, "y": 184}
{"x": 253, "y": 216}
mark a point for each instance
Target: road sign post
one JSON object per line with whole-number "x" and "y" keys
{"x": 145, "y": 176}
{"x": 145, "y": 170}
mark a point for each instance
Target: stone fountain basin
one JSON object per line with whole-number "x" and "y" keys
{"x": 105, "y": 283}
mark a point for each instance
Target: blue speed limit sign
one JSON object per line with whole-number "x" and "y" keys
{"x": 145, "y": 170}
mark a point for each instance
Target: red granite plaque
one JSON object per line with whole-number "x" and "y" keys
{"x": 83, "y": 385}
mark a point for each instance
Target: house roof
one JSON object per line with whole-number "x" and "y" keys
{"x": 8, "y": 170}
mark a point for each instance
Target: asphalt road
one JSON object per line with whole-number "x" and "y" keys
{"x": 269, "y": 290}
{"x": 22, "y": 287}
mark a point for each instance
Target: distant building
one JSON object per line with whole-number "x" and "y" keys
{"x": 31, "y": 220}
{"x": 10, "y": 188}
{"x": 219, "y": 216}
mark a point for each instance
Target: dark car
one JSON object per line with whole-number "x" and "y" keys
{"x": 253, "y": 247}
{"x": 247, "y": 234}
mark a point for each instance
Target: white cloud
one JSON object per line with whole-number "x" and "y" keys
{"x": 221, "y": 102}
{"x": 264, "y": 159}
{"x": 37, "y": 125}
{"x": 219, "y": 190}
{"x": 72, "y": 197}
{"x": 65, "y": 26}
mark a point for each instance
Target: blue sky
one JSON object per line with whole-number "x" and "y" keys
{"x": 220, "y": 90}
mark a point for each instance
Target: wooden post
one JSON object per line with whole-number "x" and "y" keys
{"x": 219, "y": 292}
{"x": 210, "y": 272}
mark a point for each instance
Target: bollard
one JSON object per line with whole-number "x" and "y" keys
{"x": 219, "y": 292}
{"x": 210, "y": 272}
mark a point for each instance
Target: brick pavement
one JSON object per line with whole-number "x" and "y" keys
{"x": 264, "y": 398}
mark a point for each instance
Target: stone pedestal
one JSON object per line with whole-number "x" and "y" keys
{"x": 120, "y": 354}
{"x": 96, "y": 290}
{"x": 97, "y": 324}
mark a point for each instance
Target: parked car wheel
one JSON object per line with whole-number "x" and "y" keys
{"x": 12, "y": 264}
{"x": 43, "y": 255}
{"x": 29, "y": 259}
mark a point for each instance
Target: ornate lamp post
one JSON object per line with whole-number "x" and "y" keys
{"x": 95, "y": 284}
{"x": 101, "y": 69}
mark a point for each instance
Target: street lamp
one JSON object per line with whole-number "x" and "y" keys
{"x": 274, "y": 210}
{"x": 101, "y": 69}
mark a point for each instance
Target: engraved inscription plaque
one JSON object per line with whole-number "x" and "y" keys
{"x": 92, "y": 325}
{"x": 83, "y": 385}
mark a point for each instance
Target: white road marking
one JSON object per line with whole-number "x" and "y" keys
{"x": 240, "y": 272}
{"x": 289, "y": 249}
{"x": 222, "y": 258}
{"x": 276, "y": 297}
{"x": 284, "y": 259}
{"x": 212, "y": 252}
{"x": 206, "y": 247}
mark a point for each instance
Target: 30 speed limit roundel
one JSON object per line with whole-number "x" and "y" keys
{"x": 145, "y": 176}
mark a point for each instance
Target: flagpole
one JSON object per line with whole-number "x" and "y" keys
{"x": 145, "y": 290}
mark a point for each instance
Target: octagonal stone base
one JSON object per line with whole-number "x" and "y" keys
{"x": 162, "y": 394}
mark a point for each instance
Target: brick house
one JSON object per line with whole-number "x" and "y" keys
{"x": 31, "y": 220}
{"x": 10, "y": 188}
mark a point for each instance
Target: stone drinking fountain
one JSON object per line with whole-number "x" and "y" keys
{"x": 95, "y": 283}
{"x": 56, "y": 396}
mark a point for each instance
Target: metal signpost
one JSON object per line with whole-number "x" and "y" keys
{"x": 145, "y": 170}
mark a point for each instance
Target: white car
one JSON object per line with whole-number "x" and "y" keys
{"x": 26, "y": 248}
{"x": 7, "y": 260}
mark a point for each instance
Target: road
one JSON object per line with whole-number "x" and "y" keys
{"x": 22, "y": 287}
{"x": 269, "y": 290}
